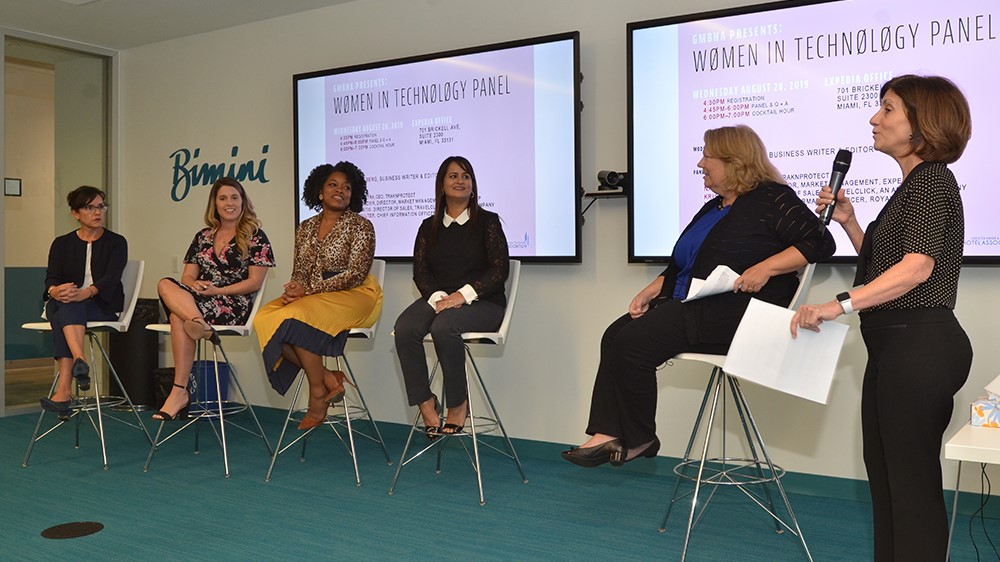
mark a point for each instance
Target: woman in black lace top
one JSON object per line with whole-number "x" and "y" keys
{"x": 460, "y": 264}
{"x": 909, "y": 260}
{"x": 758, "y": 227}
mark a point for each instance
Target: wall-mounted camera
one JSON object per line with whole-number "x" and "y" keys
{"x": 610, "y": 179}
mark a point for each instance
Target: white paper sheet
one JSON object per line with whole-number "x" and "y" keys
{"x": 719, "y": 281}
{"x": 764, "y": 352}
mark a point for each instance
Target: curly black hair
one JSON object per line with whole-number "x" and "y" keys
{"x": 318, "y": 176}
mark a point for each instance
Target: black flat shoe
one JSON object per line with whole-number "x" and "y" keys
{"x": 597, "y": 455}
{"x": 81, "y": 372}
{"x": 647, "y": 453}
{"x": 61, "y": 409}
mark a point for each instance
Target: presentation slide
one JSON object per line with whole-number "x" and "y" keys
{"x": 510, "y": 110}
{"x": 807, "y": 79}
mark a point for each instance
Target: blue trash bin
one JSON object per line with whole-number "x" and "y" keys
{"x": 203, "y": 380}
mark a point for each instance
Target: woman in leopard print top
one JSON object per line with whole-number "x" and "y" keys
{"x": 329, "y": 293}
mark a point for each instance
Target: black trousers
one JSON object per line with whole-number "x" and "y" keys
{"x": 917, "y": 361}
{"x": 624, "y": 400}
{"x": 418, "y": 320}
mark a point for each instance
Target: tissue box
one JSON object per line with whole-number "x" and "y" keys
{"x": 986, "y": 413}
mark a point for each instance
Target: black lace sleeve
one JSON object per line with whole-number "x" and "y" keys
{"x": 422, "y": 275}
{"x": 497, "y": 259}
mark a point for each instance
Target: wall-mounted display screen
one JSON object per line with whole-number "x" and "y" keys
{"x": 512, "y": 109}
{"x": 806, "y": 76}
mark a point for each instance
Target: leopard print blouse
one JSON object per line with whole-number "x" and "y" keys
{"x": 338, "y": 262}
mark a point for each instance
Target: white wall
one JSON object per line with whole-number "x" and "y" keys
{"x": 233, "y": 87}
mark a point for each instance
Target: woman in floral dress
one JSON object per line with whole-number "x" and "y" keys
{"x": 224, "y": 268}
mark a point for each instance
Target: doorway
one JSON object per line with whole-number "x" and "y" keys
{"x": 55, "y": 138}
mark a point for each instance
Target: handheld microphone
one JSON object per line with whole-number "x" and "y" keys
{"x": 841, "y": 163}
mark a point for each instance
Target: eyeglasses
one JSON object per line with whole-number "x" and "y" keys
{"x": 95, "y": 208}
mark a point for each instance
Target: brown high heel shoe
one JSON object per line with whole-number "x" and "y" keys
{"x": 334, "y": 383}
{"x": 196, "y": 328}
{"x": 313, "y": 418}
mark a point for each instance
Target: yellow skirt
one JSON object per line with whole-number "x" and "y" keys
{"x": 316, "y": 323}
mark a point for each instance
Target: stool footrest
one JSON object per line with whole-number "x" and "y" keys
{"x": 729, "y": 471}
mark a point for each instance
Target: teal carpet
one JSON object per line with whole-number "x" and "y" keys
{"x": 184, "y": 508}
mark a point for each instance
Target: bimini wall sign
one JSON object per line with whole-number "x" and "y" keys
{"x": 190, "y": 172}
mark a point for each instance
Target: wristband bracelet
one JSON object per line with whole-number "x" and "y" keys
{"x": 845, "y": 302}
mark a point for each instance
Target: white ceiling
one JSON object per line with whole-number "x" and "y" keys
{"x": 123, "y": 24}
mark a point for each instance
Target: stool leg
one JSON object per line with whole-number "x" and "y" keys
{"x": 741, "y": 406}
{"x": 38, "y": 424}
{"x": 690, "y": 445}
{"x": 496, "y": 416}
{"x": 368, "y": 413}
{"x": 403, "y": 461}
{"x": 128, "y": 399}
{"x": 218, "y": 401}
{"x": 475, "y": 440}
{"x": 277, "y": 448}
{"x": 777, "y": 481}
{"x": 97, "y": 401}
{"x": 243, "y": 396}
{"x": 701, "y": 466}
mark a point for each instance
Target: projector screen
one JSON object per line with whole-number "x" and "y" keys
{"x": 512, "y": 109}
{"x": 806, "y": 77}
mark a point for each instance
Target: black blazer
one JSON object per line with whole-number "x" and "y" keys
{"x": 67, "y": 261}
{"x": 760, "y": 224}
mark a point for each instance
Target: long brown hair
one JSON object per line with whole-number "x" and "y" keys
{"x": 439, "y": 202}
{"x": 248, "y": 224}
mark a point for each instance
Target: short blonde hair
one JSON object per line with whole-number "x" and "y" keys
{"x": 743, "y": 155}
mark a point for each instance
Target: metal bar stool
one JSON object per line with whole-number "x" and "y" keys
{"x": 751, "y": 475}
{"x": 205, "y": 408}
{"x": 86, "y": 404}
{"x": 479, "y": 425}
{"x": 347, "y": 412}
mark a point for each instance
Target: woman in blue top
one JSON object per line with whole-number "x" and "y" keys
{"x": 757, "y": 226}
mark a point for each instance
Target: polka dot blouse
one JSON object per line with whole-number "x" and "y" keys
{"x": 924, "y": 216}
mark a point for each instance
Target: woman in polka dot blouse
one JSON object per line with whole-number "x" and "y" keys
{"x": 909, "y": 260}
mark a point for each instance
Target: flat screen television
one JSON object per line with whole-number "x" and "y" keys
{"x": 512, "y": 109}
{"x": 806, "y": 76}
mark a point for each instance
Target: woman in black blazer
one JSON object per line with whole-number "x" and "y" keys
{"x": 759, "y": 228}
{"x": 83, "y": 282}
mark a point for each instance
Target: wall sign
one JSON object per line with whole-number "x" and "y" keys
{"x": 189, "y": 172}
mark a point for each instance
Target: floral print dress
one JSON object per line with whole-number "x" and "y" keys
{"x": 223, "y": 270}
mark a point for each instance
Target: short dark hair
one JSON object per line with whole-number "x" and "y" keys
{"x": 938, "y": 113}
{"x": 83, "y": 195}
{"x": 318, "y": 176}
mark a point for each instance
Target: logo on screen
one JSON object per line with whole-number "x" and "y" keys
{"x": 523, "y": 243}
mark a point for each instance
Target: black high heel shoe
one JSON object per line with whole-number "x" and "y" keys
{"x": 432, "y": 431}
{"x": 183, "y": 412}
{"x": 597, "y": 455}
{"x": 649, "y": 452}
{"x": 81, "y": 372}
